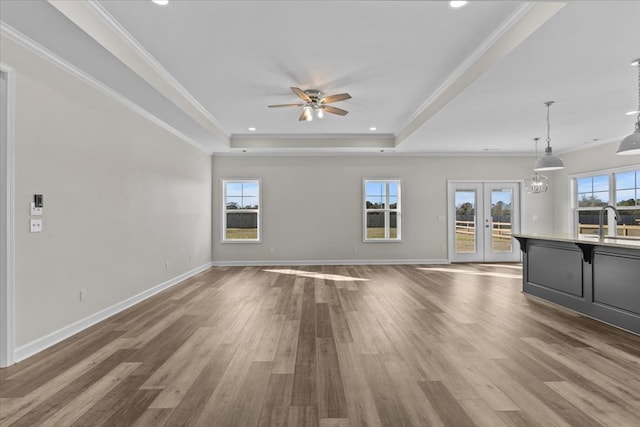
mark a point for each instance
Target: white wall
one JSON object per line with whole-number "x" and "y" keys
{"x": 588, "y": 160}
{"x": 121, "y": 197}
{"x": 312, "y": 206}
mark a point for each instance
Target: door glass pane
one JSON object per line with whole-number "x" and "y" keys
{"x": 465, "y": 202}
{"x": 501, "y": 204}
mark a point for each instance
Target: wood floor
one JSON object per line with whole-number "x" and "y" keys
{"x": 452, "y": 345}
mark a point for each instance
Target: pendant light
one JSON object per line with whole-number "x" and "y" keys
{"x": 538, "y": 183}
{"x": 548, "y": 162}
{"x": 631, "y": 144}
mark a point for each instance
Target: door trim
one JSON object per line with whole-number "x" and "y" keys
{"x": 7, "y": 244}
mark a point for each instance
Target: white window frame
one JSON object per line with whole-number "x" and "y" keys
{"x": 387, "y": 211}
{"x": 258, "y": 211}
{"x": 611, "y": 173}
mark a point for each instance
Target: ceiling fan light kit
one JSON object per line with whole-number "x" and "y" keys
{"x": 631, "y": 144}
{"x": 548, "y": 162}
{"x": 316, "y": 103}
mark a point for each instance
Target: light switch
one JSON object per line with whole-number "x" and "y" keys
{"x": 36, "y": 225}
{"x": 34, "y": 210}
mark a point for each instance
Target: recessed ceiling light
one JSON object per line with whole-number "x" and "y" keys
{"x": 635, "y": 62}
{"x": 632, "y": 113}
{"x": 373, "y": 129}
{"x": 457, "y": 4}
{"x": 161, "y": 2}
{"x": 252, "y": 129}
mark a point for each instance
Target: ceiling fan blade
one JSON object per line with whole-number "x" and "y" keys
{"x": 301, "y": 94}
{"x": 304, "y": 115}
{"x": 285, "y": 105}
{"x": 334, "y": 110}
{"x": 335, "y": 98}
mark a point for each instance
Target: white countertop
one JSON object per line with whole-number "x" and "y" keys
{"x": 594, "y": 240}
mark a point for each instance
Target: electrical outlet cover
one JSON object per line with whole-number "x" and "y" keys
{"x": 36, "y": 226}
{"x": 35, "y": 211}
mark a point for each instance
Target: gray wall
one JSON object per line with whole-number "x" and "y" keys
{"x": 588, "y": 160}
{"x": 121, "y": 198}
{"x": 312, "y": 206}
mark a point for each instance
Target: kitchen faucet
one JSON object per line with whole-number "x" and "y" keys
{"x": 601, "y": 219}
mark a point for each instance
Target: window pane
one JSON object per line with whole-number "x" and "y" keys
{"x": 250, "y": 189}
{"x": 375, "y": 202}
{"x": 625, "y": 180}
{"x": 628, "y": 188}
{"x": 393, "y": 202}
{"x": 393, "y": 225}
{"x": 375, "y": 225}
{"x": 585, "y": 185}
{"x": 593, "y": 199}
{"x": 242, "y": 225}
{"x": 588, "y": 222}
{"x": 234, "y": 189}
{"x": 234, "y": 202}
{"x": 601, "y": 183}
{"x": 393, "y": 189}
{"x": 375, "y": 188}
{"x": 465, "y": 221}
{"x": 249, "y": 203}
{"x": 626, "y": 197}
{"x": 629, "y": 223}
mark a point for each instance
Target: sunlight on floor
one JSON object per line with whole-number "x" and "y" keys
{"x": 314, "y": 275}
{"x": 471, "y": 273}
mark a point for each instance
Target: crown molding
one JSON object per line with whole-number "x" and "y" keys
{"x": 513, "y": 31}
{"x": 93, "y": 19}
{"x": 44, "y": 53}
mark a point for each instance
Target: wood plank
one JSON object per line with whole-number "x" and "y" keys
{"x": 304, "y": 375}
{"x": 331, "y": 394}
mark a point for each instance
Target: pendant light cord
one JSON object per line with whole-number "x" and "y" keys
{"x": 638, "y": 118}
{"x": 548, "y": 124}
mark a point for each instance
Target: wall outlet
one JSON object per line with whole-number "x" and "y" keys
{"x": 35, "y": 225}
{"x": 166, "y": 265}
{"x": 83, "y": 294}
{"x": 355, "y": 249}
{"x": 35, "y": 211}
{"x": 190, "y": 258}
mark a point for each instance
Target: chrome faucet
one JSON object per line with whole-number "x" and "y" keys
{"x": 601, "y": 219}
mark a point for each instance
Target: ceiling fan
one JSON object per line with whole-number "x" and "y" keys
{"x": 315, "y": 102}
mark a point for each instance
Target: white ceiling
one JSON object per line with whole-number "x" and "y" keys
{"x": 431, "y": 79}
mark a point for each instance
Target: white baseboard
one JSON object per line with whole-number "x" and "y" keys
{"x": 328, "y": 262}
{"x": 55, "y": 337}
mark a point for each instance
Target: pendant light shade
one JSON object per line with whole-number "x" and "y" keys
{"x": 548, "y": 162}
{"x": 631, "y": 144}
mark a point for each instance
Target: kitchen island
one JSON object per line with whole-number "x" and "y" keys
{"x": 596, "y": 277}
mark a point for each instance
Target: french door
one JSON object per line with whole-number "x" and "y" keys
{"x": 482, "y": 217}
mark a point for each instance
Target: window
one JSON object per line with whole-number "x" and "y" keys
{"x": 382, "y": 210}
{"x": 241, "y": 210}
{"x": 619, "y": 188}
